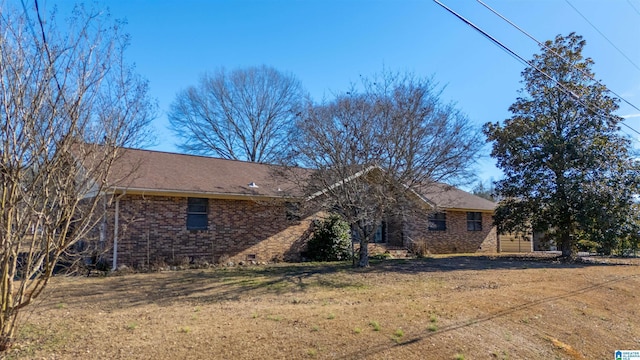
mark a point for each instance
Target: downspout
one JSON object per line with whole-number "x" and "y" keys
{"x": 103, "y": 225}
{"x": 115, "y": 232}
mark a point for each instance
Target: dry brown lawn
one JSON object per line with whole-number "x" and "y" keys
{"x": 457, "y": 307}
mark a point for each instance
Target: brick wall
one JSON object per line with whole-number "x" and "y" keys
{"x": 456, "y": 238}
{"x": 154, "y": 228}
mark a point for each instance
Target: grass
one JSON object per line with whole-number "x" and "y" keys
{"x": 375, "y": 325}
{"x": 433, "y": 326}
{"x": 283, "y": 311}
{"x": 508, "y": 336}
{"x": 397, "y": 335}
{"x": 37, "y": 338}
{"x": 275, "y": 317}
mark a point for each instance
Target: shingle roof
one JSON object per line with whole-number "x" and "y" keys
{"x": 148, "y": 171}
{"x": 448, "y": 197}
{"x": 155, "y": 171}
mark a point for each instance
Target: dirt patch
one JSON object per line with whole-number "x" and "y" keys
{"x": 471, "y": 307}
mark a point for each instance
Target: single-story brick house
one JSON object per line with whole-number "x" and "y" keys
{"x": 173, "y": 207}
{"x": 459, "y": 222}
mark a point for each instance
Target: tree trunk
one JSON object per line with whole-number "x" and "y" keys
{"x": 353, "y": 253}
{"x": 364, "y": 253}
{"x": 566, "y": 246}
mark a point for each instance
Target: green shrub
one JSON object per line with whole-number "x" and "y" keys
{"x": 588, "y": 246}
{"x": 382, "y": 256}
{"x": 330, "y": 240}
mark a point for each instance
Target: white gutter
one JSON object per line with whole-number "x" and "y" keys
{"x": 186, "y": 193}
{"x": 115, "y": 231}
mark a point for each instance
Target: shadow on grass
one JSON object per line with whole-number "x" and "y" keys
{"x": 479, "y": 262}
{"x": 373, "y": 349}
{"x": 209, "y": 285}
{"x": 233, "y": 284}
{"x": 476, "y": 263}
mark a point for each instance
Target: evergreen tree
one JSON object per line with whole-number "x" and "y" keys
{"x": 568, "y": 170}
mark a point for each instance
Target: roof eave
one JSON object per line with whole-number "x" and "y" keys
{"x": 203, "y": 194}
{"x": 468, "y": 209}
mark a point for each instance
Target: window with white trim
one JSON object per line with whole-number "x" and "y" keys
{"x": 438, "y": 221}
{"x": 197, "y": 213}
{"x": 474, "y": 221}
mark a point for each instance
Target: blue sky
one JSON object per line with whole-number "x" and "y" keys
{"x": 328, "y": 44}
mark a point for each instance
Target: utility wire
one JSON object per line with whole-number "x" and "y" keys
{"x": 523, "y": 60}
{"x": 26, "y": 15}
{"x": 485, "y": 34}
{"x": 541, "y": 44}
{"x": 634, "y": 8}
{"x": 603, "y": 35}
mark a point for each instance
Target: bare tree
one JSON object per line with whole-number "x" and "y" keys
{"x": 68, "y": 103}
{"x": 375, "y": 147}
{"x": 486, "y": 190}
{"x": 245, "y": 114}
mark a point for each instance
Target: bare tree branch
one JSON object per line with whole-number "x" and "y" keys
{"x": 69, "y": 102}
{"x": 245, "y": 114}
{"x": 374, "y": 147}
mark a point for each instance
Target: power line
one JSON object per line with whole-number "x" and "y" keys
{"x": 634, "y": 8}
{"x": 603, "y": 35}
{"x": 629, "y": 135}
{"x": 485, "y": 34}
{"x": 26, "y": 15}
{"x": 523, "y": 60}
{"x": 541, "y": 44}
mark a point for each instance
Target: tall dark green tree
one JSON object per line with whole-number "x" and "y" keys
{"x": 568, "y": 170}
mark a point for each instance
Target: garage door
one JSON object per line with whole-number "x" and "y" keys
{"x": 515, "y": 243}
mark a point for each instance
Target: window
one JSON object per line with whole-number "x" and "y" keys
{"x": 197, "y": 209}
{"x": 379, "y": 236}
{"x": 438, "y": 221}
{"x": 474, "y": 221}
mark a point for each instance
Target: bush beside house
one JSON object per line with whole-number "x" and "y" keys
{"x": 331, "y": 240}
